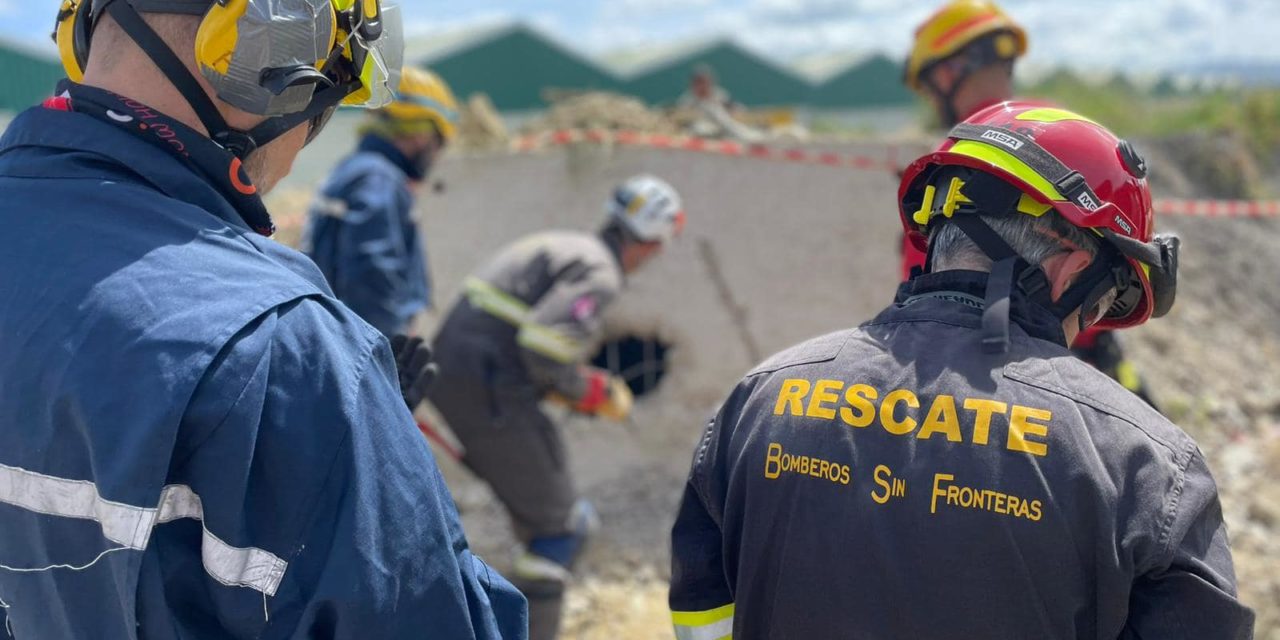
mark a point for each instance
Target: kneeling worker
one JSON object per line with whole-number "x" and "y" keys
{"x": 950, "y": 457}
{"x": 361, "y": 231}
{"x": 521, "y": 334}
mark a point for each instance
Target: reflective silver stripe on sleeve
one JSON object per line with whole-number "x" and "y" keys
{"x": 131, "y": 526}
{"x": 715, "y": 631}
{"x": 715, "y": 624}
{"x": 331, "y": 207}
{"x": 122, "y": 524}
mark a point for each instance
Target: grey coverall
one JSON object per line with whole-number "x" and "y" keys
{"x": 526, "y": 324}
{"x": 896, "y": 481}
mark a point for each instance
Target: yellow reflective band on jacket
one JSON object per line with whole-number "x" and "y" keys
{"x": 534, "y": 337}
{"x": 548, "y": 342}
{"x": 495, "y": 301}
{"x": 716, "y": 624}
{"x": 1127, "y": 376}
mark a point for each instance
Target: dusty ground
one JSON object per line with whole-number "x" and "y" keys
{"x": 1212, "y": 363}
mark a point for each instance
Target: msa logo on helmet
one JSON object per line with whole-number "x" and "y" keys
{"x": 1124, "y": 224}
{"x": 1086, "y": 200}
{"x": 1002, "y": 138}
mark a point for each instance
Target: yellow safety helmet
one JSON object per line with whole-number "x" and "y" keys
{"x": 293, "y": 62}
{"x": 424, "y": 99}
{"x": 954, "y": 27}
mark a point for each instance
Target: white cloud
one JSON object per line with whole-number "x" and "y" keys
{"x": 653, "y": 7}
{"x": 1140, "y": 35}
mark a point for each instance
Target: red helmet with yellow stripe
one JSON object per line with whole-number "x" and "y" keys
{"x": 1052, "y": 159}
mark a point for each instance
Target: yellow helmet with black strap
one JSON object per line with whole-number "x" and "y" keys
{"x": 978, "y": 32}
{"x": 423, "y": 103}
{"x": 293, "y": 62}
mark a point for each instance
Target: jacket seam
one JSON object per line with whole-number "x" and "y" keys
{"x": 1013, "y": 338}
{"x": 225, "y": 335}
{"x": 799, "y": 362}
{"x": 310, "y": 510}
{"x": 1175, "y": 503}
{"x": 1093, "y": 403}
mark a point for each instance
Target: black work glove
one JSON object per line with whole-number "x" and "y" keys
{"x": 417, "y": 371}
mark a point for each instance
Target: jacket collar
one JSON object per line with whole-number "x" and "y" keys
{"x": 957, "y": 296}
{"x": 107, "y": 151}
{"x": 375, "y": 144}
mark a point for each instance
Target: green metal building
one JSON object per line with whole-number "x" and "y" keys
{"x": 749, "y": 78}
{"x": 30, "y": 76}
{"x": 873, "y": 82}
{"x": 513, "y": 64}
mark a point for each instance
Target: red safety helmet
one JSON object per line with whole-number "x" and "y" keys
{"x": 1057, "y": 160}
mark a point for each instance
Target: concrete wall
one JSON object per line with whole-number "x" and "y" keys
{"x": 803, "y": 250}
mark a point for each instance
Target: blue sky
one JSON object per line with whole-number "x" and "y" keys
{"x": 1143, "y": 35}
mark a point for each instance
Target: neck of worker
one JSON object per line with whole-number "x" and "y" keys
{"x": 983, "y": 88}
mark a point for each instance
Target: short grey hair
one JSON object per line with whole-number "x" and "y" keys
{"x": 1034, "y": 238}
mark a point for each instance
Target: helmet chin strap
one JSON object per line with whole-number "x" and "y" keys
{"x": 1011, "y": 272}
{"x": 947, "y": 100}
{"x": 240, "y": 143}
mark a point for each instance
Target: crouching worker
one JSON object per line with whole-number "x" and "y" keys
{"x": 521, "y": 333}
{"x": 361, "y": 231}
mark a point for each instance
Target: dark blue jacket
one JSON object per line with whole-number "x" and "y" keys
{"x": 362, "y": 235}
{"x": 196, "y": 439}
{"x": 895, "y": 481}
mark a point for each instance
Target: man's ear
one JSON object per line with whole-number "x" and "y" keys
{"x": 1063, "y": 268}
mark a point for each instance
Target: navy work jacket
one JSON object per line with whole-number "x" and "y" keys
{"x": 196, "y": 439}
{"x": 898, "y": 481}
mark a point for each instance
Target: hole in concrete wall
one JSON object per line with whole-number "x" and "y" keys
{"x": 640, "y": 360}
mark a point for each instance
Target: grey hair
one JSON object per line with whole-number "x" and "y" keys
{"x": 1034, "y": 238}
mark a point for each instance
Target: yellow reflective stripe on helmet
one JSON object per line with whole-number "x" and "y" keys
{"x": 549, "y": 342}
{"x": 1049, "y": 114}
{"x": 495, "y": 301}
{"x": 1002, "y": 159}
{"x": 714, "y": 624}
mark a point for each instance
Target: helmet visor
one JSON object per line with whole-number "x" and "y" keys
{"x": 373, "y": 43}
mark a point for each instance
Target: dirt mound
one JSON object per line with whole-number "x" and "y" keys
{"x": 480, "y": 127}
{"x": 601, "y": 110}
{"x": 1206, "y": 165}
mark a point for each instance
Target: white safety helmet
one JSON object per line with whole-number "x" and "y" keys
{"x": 648, "y": 208}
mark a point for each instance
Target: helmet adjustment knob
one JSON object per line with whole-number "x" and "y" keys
{"x": 280, "y": 79}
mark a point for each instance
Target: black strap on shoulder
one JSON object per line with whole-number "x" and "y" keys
{"x": 1068, "y": 182}
{"x": 1007, "y": 271}
{"x": 995, "y": 318}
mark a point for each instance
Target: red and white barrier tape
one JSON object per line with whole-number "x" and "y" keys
{"x": 890, "y": 162}
{"x": 1219, "y": 208}
{"x": 537, "y": 142}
